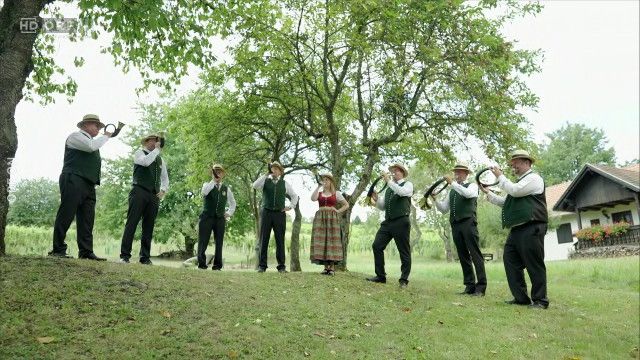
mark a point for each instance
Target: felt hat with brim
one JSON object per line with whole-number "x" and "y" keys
{"x": 91, "y": 118}
{"x": 401, "y": 167}
{"x": 218, "y": 167}
{"x": 328, "y": 176}
{"x": 278, "y": 165}
{"x": 522, "y": 154}
{"x": 461, "y": 166}
{"x": 150, "y": 136}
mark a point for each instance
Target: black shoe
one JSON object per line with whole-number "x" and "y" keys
{"x": 467, "y": 291}
{"x": 145, "y": 262}
{"x": 203, "y": 267}
{"x": 92, "y": 256}
{"x": 59, "y": 255}
{"x": 538, "y": 305}
{"x": 216, "y": 269}
{"x": 282, "y": 271}
{"x": 124, "y": 261}
{"x": 261, "y": 270}
{"x": 479, "y": 293}
{"x": 377, "y": 279}
{"x": 515, "y": 302}
{"x": 403, "y": 283}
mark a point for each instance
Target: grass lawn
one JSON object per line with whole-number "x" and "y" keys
{"x": 54, "y": 308}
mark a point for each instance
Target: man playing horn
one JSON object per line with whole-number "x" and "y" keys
{"x": 78, "y": 180}
{"x": 396, "y": 204}
{"x": 273, "y": 217}
{"x": 524, "y": 212}
{"x": 150, "y": 184}
{"x": 461, "y": 205}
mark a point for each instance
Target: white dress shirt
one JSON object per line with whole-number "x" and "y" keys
{"x": 405, "y": 190}
{"x": 231, "y": 201}
{"x": 81, "y": 140}
{"x": 468, "y": 192}
{"x": 142, "y": 159}
{"x": 259, "y": 184}
{"x": 529, "y": 183}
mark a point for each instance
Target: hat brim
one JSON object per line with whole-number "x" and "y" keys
{"x": 524, "y": 157}
{"x": 101, "y": 125}
{"x": 398, "y": 166}
{"x": 461, "y": 168}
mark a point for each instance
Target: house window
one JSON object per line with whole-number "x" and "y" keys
{"x": 622, "y": 216}
{"x": 564, "y": 234}
{"x": 595, "y": 222}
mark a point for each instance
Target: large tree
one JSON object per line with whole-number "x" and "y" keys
{"x": 159, "y": 38}
{"x": 569, "y": 148}
{"x": 377, "y": 80}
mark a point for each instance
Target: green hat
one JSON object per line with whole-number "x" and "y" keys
{"x": 522, "y": 154}
{"x": 461, "y": 166}
{"x": 91, "y": 118}
{"x": 401, "y": 167}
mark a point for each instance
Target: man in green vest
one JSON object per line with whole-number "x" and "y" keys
{"x": 214, "y": 216}
{"x": 524, "y": 212}
{"x": 273, "y": 216}
{"x": 150, "y": 184}
{"x": 78, "y": 180}
{"x": 396, "y": 204}
{"x": 461, "y": 205}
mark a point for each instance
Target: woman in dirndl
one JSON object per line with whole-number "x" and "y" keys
{"x": 326, "y": 240}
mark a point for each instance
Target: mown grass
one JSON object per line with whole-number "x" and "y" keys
{"x": 85, "y": 309}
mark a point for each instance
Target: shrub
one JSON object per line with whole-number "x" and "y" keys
{"x": 598, "y": 233}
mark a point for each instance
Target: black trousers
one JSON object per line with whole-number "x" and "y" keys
{"x": 143, "y": 204}
{"x": 467, "y": 241}
{"x": 206, "y": 225}
{"x": 276, "y": 220}
{"x": 77, "y": 200}
{"x": 525, "y": 249}
{"x": 398, "y": 229}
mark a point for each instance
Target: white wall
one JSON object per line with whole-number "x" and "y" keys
{"x": 554, "y": 251}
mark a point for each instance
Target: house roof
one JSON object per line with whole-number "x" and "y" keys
{"x": 628, "y": 177}
{"x": 553, "y": 194}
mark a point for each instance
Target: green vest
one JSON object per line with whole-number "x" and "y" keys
{"x": 460, "y": 207}
{"x": 215, "y": 201}
{"x": 148, "y": 177}
{"x": 521, "y": 210}
{"x": 273, "y": 195}
{"x": 396, "y": 206}
{"x": 84, "y": 164}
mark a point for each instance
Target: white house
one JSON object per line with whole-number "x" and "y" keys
{"x": 598, "y": 195}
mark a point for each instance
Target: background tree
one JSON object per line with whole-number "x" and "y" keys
{"x": 569, "y": 148}
{"x": 376, "y": 79}
{"x": 35, "y": 203}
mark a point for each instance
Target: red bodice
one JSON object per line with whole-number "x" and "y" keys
{"x": 327, "y": 200}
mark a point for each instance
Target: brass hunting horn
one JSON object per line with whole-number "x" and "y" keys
{"x": 435, "y": 189}
{"x": 116, "y": 129}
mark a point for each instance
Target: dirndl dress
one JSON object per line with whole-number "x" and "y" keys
{"x": 326, "y": 239}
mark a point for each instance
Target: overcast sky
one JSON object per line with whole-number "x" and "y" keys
{"x": 589, "y": 76}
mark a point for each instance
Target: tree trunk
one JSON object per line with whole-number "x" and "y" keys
{"x": 294, "y": 264}
{"x": 416, "y": 234}
{"x": 189, "y": 245}
{"x": 447, "y": 245}
{"x": 16, "y": 63}
{"x": 256, "y": 214}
